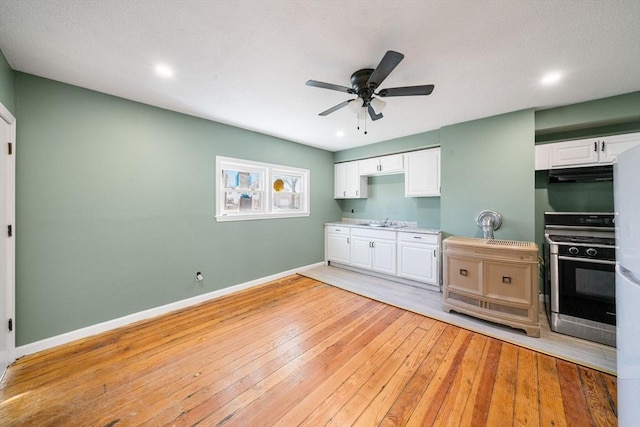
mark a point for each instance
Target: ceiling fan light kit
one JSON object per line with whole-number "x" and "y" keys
{"x": 364, "y": 83}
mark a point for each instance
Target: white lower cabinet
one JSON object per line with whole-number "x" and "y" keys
{"x": 407, "y": 256}
{"x": 338, "y": 244}
{"x": 374, "y": 250}
{"x": 418, "y": 257}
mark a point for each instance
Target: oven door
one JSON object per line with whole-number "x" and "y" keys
{"x": 587, "y": 289}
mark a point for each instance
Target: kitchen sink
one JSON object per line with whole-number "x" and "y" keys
{"x": 382, "y": 225}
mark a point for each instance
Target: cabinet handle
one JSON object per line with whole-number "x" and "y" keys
{"x": 348, "y": 240}
{"x": 344, "y": 193}
{"x": 595, "y": 146}
{"x": 372, "y": 244}
{"x": 506, "y": 279}
{"x": 602, "y": 149}
{"x": 464, "y": 272}
{"x": 434, "y": 253}
{"x": 417, "y": 237}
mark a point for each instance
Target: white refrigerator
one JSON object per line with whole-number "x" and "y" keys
{"x": 626, "y": 182}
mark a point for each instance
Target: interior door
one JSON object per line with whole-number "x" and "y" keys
{"x": 7, "y": 245}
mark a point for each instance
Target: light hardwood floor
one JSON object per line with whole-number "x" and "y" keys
{"x": 300, "y": 352}
{"x": 429, "y": 303}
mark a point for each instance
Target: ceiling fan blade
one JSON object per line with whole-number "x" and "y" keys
{"x": 390, "y": 61}
{"x": 407, "y": 91}
{"x": 335, "y": 108}
{"x": 373, "y": 114}
{"x": 323, "y": 85}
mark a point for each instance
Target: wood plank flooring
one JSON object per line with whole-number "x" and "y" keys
{"x": 300, "y": 352}
{"x": 429, "y": 303}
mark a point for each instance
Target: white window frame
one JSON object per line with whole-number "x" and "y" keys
{"x": 265, "y": 208}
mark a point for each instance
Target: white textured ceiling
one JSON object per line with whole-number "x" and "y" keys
{"x": 245, "y": 63}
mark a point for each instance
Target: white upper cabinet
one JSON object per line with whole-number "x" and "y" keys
{"x": 543, "y": 157}
{"x": 386, "y": 165}
{"x": 348, "y": 184}
{"x": 584, "y": 152}
{"x": 575, "y": 153}
{"x": 422, "y": 173}
{"x": 614, "y": 145}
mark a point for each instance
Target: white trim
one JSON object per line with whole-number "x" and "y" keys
{"x": 68, "y": 337}
{"x": 10, "y": 276}
{"x": 266, "y": 172}
{"x": 6, "y": 115}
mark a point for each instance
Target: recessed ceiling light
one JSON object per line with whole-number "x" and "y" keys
{"x": 551, "y": 78}
{"x": 340, "y": 134}
{"x": 164, "y": 71}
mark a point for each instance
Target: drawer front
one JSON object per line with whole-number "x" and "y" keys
{"x": 507, "y": 282}
{"x": 431, "y": 239}
{"x": 335, "y": 229}
{"x": 464, "y": 274}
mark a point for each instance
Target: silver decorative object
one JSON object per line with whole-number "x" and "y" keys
{"x": 488, "y": 221}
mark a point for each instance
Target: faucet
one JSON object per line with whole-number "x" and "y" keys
{"x": 386, "y": 222}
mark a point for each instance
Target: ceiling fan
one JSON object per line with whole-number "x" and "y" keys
{"x": 364, "y": 84}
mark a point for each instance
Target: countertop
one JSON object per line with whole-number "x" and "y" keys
{"x": 401, "y": 227}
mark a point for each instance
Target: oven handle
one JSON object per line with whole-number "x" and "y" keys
{"x": 588, "y": 260}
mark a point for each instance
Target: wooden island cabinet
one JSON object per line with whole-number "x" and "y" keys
{"x": 495, "y": 280}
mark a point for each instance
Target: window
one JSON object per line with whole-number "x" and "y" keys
{"x": 254, "y": 190}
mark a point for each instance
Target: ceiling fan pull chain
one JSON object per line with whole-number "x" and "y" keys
{"x": 365, "y": 123}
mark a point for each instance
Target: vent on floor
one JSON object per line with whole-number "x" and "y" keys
{"x": 510, "y": 243}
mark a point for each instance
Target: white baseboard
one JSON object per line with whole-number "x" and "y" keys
{"x": 68, "y": 337}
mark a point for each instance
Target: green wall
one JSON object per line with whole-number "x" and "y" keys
{"x": 115, "y": 208}
{"x": 488, "y": 164}
{"x": 606, "y": 116}
{"x": 6, "y": 83}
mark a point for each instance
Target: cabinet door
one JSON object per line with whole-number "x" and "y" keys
{"x": 508, "y": 282}
{"x": 422, "y": 174}
{"x": 369, "y": 166}
{"x": 464, "y": 274}
{"x": 384, "y": 256}
{"x": 339, "y": 181}
{"x": 392, "y": 164}
{"x": 575, "y": 153}
{"x": 347, "y": 182}
{"x": 361, "y": 252}
{"x": 356, "y": 186}
{"x": 382, "y": 165}
{"x": 614, "y": 145}
{"x": 418, "y": 262}
{"x": 338, "y": 248}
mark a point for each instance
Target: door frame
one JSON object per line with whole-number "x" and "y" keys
{"x": 9, "y": 293}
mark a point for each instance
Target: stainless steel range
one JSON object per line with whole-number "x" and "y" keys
{"x": 579, "y": 286}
